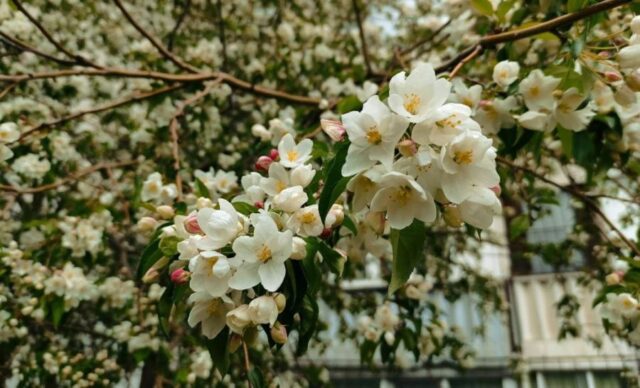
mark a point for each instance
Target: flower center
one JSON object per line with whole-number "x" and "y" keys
{"x": 373, "y": 136}
{"x": 264, "y": 254}
{"x": 463, "y": 157}
{"x": 280, "y": 185}
{"x": 214, "y": 306}
{"x": 307, "y": 218}
{"x": 292, "y": 155}
{"x": 534, "y": 91}
{"x": 403, "y": 194}
{"x": 450, "y": 121}
{"x": 411, "y": 102}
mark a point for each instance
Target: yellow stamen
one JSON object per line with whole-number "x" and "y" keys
{"x": 373, "y": 136}
{"x": 292, "y": 155}
{"x": 307, "y": 218}
{"x": 411, "y": 103}
{"x": 402, "y": 195}
{"x": 264, "y": 254}
{"x": 463, "y": 157}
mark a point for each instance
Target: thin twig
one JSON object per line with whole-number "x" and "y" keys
{"x": 163, "y": 50}
{"x": 363, "y": 40}
{"x": 181, "y": 19}
{"x": 173, "y": 130}
{"x": 6, "y": 90}
{"x": 168, "y": 77}
{"x": 112, "y": 105}
{"x": 247, "y": 365}
{"x": 579, "y": 195}
{"x": 26, "y": 47}
{"x": 428, "y": 39}
{"x": 525, "y": 32}
{"x": 465, "y": 60}
{"x": 79, "y": 59}
{"x": 71, "y": 178}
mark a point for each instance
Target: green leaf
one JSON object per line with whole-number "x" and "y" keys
{"x": 504, "y": 7}
{"x": 308, "y": 321}
{"x": 333, "y": 259}
{"x": 57, "y": 310}
{"x": 164, "y": 309}
{"x": 201, "y": 189}
{"x": 408, "y": 249}
{"x": 334, "y": 182}
{"x": 348, "y": 104}
{"x": 576, "y": 5}
{"x": 169, "y": 245}
{"x": 255, "y": 378}
{"x": 519, "y": 226}
{"x": 566, "y": 138}
{"x": 349, "y": 224}
{"x": 483, "y": 7}
{"x": 219, "y": 351}
{"x": 367, "y": 350}
{"x": 150, "y": 255}
{"x": 584, "y": 150}
{"x": 310, "y": 267}
{"x": 244, "y": 208}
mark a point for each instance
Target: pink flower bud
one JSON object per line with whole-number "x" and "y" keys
{"x": 612, "y": 76}
{"x": 191, "y": 224}
{"x": 496, "y": 189}
{"x": 333, "y": 128}
{"x": 326, "y": 233}
{"x": 485, "y": 103}
{"x": 259, "y": 204}
{"x": 273, "y": 154}
{"x": 180, "y": 276}
{"x": 407, "y": 147}
{"x": 263, "y": 163}
{"x": 603, "y": 54}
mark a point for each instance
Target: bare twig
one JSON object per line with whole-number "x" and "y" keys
{"x": 181, "y": 19}
{"x": 428, "y": 39}
{"x": 7, "y": 89}
{"x": 26, "y": 47}
{"x": 79, "y": 59}
{"x": 137, "y": 97}
{"x": 156, "y": 43}
{"x": 168, "y": 77}
{"x": 363, "y": 40}
{"x": 525, "y": 32}
{"x": 587, "y": 200}
{"x": 465, "y": 60}
{"x": 173, "y": 130}
{"x": 247, "y": 365}
{"x": 69, "y": 179}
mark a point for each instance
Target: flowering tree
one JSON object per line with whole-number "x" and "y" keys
{"x": 186, "y": 185}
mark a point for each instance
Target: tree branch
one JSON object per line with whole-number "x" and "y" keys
{"x": 168, "y": 77}
{"x": 363, "y": 40}
{"x": 25, "y": 47}
{"x": 525, "y": 32}
{"x": 163, "y": 50}
{"x": 173, "y": 129}
{"x": 79, "y": 59}
{"x": 137, "y": 97}
{"x": 477, "y": 50}
{"x": 181, "y": 19}
{"x": 586, "y": 199}
{"x": 71, "y": 178}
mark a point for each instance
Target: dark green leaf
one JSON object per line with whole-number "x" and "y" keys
{"x": 308, "y": 321}
{"x": 408, "y": 249}
{"x": 219, "y": 350}
{"x": 150, "y": 255}
{"x": 483, "y": 7}
{"x": 348, "y": 104}
{"x": 519, "y": 226}
{"x": 255, "y": 378}
{"x": 57, "y": 310}
{"x": 201, "y": 189}
{"x": 333, "y": 259}
{"x": 245, "y": 208}
{"x": 334, "y": 182}
{"x": 310, "y": 266}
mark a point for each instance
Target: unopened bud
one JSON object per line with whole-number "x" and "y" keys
{"x": 389, "y": 338}
{"x": 452, "y": 216}
{"x": 274, "y": 154}
{"x": 485, "y": 103}
{"x": 259, "y": 204}
{"x": 625, "y": 96}
{"x": 165, "y": 212}
{"x": 633, "y": 81}
{"x": 613, "y": 278}
{"x": 629, "y": 57}
{"x": 612, "y": 76}
{"x": 496, "y": 189}
{"x": 407, "y": 147}
{"x": 333, "y": 128}
{"x": 147, "y": 224}
{"x": 279, "y": 333}
{"x": 180, "y": 276}
{"x": 260, "y": 131}
{"x": 263, "y": 163}
{"x": 151, "y": 276}
{"x": 203, "y": 202}
{"x": 326, "y": 233}
{"x": 557, "y": 93}
{"x": 191, "y": 224}
{"x": 281, "y": 302}
{"x": 299, "y": 248}
{"x": 603, "y": 55}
